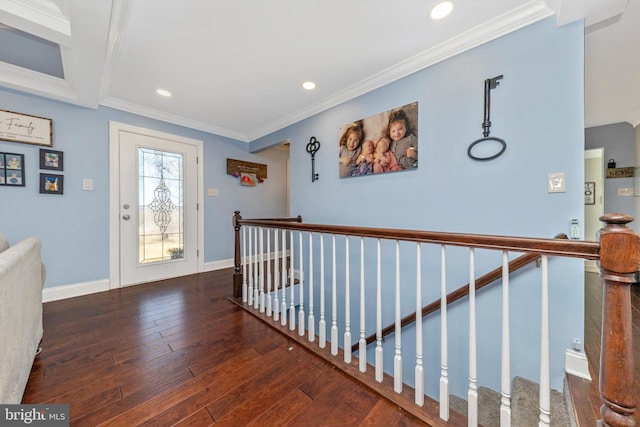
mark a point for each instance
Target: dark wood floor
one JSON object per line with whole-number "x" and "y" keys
{"x": 177, "y": 352}
{"x": 585, "y": 394}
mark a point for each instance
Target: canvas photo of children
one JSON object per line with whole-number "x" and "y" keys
{"x": 385, "y": 142}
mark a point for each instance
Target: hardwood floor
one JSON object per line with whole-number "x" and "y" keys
{"x": 586, "y": 394}
{"x": 178, "y": 352}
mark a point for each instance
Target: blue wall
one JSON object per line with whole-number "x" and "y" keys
{"x": 618, "y": 141}
{"x": 538, "y": 110}
{"x": 74, "y": 227}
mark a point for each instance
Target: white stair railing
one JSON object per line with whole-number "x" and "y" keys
{"x": 545, "y": 383}
{"x": 258, "y": 292}
{"x": 472, "y": 395}
{"x": 347, "y": 305}
{"x": 505, "y": 401}
{"x": 444, "y": 338}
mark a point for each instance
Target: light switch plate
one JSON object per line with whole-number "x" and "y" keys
{"x": 87, "y": 184}
{"x": 555, "y": 182}
{"x": 213, "y": 192}
{"x": 625, "y": 191}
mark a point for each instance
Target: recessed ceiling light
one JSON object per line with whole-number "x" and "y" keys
{"x": 309, "y": 85}
{"x": 441, "y": 10}
{"x": 163, "y": 92}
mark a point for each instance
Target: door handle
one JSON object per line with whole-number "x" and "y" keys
{"x": 126, "y": 217}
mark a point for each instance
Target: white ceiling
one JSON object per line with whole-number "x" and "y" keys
{"x": 235, "y": 67}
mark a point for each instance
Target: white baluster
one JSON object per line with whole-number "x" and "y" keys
{"x": 244, "y": 264}
{"x": 347, "y": 307}
{"x": 322, "y": 325}
{"x": 362, "y": 349}
{"x": 292, "y": 282}
{"x": 545, "y": 384}
{"x": 379, "y": 352}
{"x": 444, "y": 354}
{"x": 419, "y": 388}
{"x": 262, "y": 298}
{"x": 256, "y": 269}
{"x": 269, "y": 307}
{"x": 505, "y": 405}
{"x": 397, "y": 358}
{"x": 301, "y": 309}
{"x": 283, "y": 309}
{"x": 276, "y": 277}
{"x": 334, "y": 304}
{"x": 472, "y": 395}
{"x": 250, "y": 289}
{"x": 311, "y": 320}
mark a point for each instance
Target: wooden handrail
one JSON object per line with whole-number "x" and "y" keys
{"x": 461, "y": 292}
{"x": 553, "y": 247}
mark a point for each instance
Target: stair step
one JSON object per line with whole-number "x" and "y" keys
{"x": 525, "y": 410}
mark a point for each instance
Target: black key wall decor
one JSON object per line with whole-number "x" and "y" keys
{"x": 312, "y": 148}
{"x": 489, "y": 84}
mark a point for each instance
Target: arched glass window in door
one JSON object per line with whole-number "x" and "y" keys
{"x": 160, "y": 204}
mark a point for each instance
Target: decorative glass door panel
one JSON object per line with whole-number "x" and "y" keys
{"x": 158, "y": 190}
{"x": 161, "y": 205}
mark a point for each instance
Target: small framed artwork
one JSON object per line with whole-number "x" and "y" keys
{"x": 589, "y": 193}
{"x": 52, "y": 160}
{"x": 12, "y": 169}
{"x": 51, "y": 183}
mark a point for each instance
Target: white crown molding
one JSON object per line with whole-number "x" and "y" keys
{"x": 516, "y": 19}
{"x": 38, "y": 17}
{"x": 171, "y": 118}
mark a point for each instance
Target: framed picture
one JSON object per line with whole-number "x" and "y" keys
{"x": 17, "y": 127}
{"x": 51, "y": 183}
{"x": 12, "y": 169}
{"x": 589, "y": 193}
{"x": 385, "y": 142}
{"x": 52, "y": 160}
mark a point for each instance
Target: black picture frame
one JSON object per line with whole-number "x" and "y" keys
{"x": 51, "y": 183}
{"x": 590, "y": 193}
{"x": 51, "y": 160}
{"x": 12, "y": 170}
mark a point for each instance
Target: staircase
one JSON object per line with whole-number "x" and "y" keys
{"x": 525, "y": 409}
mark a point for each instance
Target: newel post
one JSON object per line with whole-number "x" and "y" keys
{"x": 237, "y": 274}
{"x": 619, "y": 261}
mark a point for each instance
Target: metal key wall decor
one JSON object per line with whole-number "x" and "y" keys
{"x": 489, "y": 84}
{"x": 312, "y": 148}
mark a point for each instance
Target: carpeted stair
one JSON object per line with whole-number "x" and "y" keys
{"x": 525, "y": 410}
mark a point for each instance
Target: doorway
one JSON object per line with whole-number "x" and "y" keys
{"x": 594, "y": 197}
{"x": 155, "y": 194}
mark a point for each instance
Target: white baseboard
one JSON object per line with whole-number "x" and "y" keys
{"x": 218, "y": 265}
{"x": 577, "y": 364}
{"x": 75, "y": 290}
{"x": 79, "y": 289}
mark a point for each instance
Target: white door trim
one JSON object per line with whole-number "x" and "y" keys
{"x": 114, "y": 194}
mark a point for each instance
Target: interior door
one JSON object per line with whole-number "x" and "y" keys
{"x": 158, "y": 206}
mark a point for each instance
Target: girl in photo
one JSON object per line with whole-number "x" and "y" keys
{"x": 403, "y": 142}
{"x": 350, "y": 142}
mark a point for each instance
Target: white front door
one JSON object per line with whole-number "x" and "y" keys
{"x": 158, "y": 183}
